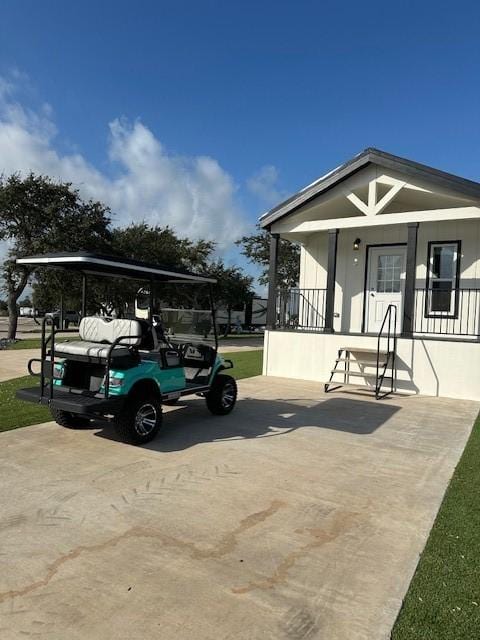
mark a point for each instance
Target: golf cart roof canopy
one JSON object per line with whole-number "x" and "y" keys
{"x": 112, "y": 266}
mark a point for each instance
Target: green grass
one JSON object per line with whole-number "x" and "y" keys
{"x": 245, "y": 363}
{"x": 443, "y": 601}
{"x": 34, "y": 343}
{"x": 18, "y": 413}
{"x": 241, "y": 336}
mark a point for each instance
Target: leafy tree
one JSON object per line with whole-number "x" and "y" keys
{"x": 257, "y": 249}
{"x": 232, "y": 289}
{"x": 38, "y": 215}
{"x": 160, "y": 246}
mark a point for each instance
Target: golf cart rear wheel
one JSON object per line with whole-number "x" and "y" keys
{"x": 140, "y": 420}
{"x": 222, "y": 395}
{"x": 66, "y": 419}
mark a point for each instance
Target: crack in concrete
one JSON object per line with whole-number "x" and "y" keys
{"x": 225, "y": 545}
{"x": 320, "y": 537}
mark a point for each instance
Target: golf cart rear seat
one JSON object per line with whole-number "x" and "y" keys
{"x": 98, "y": 334}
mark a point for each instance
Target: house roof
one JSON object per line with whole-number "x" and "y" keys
{"x": 111, "y": 266}
{"x": 462, "y": 186}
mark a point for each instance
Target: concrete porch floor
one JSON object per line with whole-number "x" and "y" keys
{"x": 299, "y": 516}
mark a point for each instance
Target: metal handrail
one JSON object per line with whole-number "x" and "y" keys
{"x": 391, "y": 315}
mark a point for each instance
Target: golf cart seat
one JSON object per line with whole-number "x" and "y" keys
{"x": 98, "y": 334}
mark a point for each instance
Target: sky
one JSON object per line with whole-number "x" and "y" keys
{"x": 202, "y": 115}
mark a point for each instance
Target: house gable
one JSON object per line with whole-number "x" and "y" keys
{"x": 373, "y": 184}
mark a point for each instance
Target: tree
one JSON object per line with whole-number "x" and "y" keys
{"x": 257, "y": 249}
{"x": 160, "y": 246}
{"x": 232, "y": 288}
{"x": 38, "y": 215}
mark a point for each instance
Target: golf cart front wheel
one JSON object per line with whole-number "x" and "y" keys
{"x": 68, "y": 420}
{"x": 140, "y": 420}
{"x": 222, "y": 395}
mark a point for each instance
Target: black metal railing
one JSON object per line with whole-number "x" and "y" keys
{"x": 437, "y": 311}
{"x": 301, "y": 309}
{"x": 388, "y": 334}
{"x": 447, "y": 312}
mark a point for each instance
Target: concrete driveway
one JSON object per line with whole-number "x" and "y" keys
{"x": 298, "y": 516}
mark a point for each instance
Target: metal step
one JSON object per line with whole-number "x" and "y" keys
{"x": 356, "y": 374}
{"x": 362, "y": 350}
{"x": 368, "y": 363}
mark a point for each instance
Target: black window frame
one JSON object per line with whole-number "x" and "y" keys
{"x": 429, "y": 279}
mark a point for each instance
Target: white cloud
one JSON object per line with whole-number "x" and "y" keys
{"x": 264, "y": 185}
{"x": 193, "y": 195}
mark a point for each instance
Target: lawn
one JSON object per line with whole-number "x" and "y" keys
{"x": 443, "y": 601}
{"x": 17, "y": 413}
{"x": 34, "y": 343}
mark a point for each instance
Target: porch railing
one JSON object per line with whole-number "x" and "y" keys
{"x": 447, "y": 312}
{"x": 302, "y": 309}
{"x": 439, "y": 312}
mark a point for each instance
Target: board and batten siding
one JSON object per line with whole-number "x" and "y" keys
{"x": 349, "y": 294}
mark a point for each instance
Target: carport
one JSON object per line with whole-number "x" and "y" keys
{"x": 298, "y": 516}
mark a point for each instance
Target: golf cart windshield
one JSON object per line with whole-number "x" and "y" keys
{"x": 188, "y": 325}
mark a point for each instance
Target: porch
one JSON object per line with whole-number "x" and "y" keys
{"x": 389, "y": 273}
{"x": 349, "y": 277}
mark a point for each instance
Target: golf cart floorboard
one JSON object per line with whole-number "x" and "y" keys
{"x": 73, "y": 402}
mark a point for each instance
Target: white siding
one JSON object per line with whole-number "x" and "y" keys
{"x": 429, "y": 367}
{"x": 351, "y": 264}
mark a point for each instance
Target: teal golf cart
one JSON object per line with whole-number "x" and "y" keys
{"x": 124, "y": 369}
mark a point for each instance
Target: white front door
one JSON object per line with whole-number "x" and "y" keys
{"x": 385, "y": 285}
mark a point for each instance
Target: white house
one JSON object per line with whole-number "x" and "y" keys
{"x": 389, "y": 291}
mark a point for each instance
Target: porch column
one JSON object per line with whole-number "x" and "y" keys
{"x": 272, "y": 282}
{"x": 410, "y": 277}
{"x": 331, "y": 272}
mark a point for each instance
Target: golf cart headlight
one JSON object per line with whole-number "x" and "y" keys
{"x": 115, "y": 382}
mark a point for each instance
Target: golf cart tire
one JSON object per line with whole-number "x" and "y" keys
{"x": 67, "y": 419}
{"x": 223, "y": 388}
{"x": 128, "y": 423}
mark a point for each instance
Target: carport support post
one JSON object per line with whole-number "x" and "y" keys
{"x": 410, "y": 276}
{"x": 272, "y": 282}
{"x": 331, "y": 277}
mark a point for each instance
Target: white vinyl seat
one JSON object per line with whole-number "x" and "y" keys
{"x": 97, "y": 335}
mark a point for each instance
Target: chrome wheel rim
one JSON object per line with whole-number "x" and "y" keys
{"x": 228, "y": 395}
{"x": 146, "y": 419}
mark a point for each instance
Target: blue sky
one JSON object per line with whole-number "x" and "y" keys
{"x": 272, "y": 93}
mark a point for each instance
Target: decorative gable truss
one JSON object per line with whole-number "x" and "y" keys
{"x": 378, "y": 201}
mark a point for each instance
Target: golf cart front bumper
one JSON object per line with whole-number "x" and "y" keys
{"x": 73, "y": 401}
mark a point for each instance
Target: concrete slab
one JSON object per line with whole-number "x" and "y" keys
{"x": 298, "y": 516}
{"x": 13, "y": 363}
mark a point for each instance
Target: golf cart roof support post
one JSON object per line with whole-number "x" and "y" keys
{"x": 213, "y": 310}
{"x": 151, "y": 301}
{"x": 84, "y": 295}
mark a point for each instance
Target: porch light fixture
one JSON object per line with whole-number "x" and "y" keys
{"x": 356, "y": 244}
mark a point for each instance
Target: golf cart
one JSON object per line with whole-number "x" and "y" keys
{"x": 123, "y": 369}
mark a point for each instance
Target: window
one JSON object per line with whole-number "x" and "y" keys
{"x": 389, "y": 269}
{"x": 442, "y": 281}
